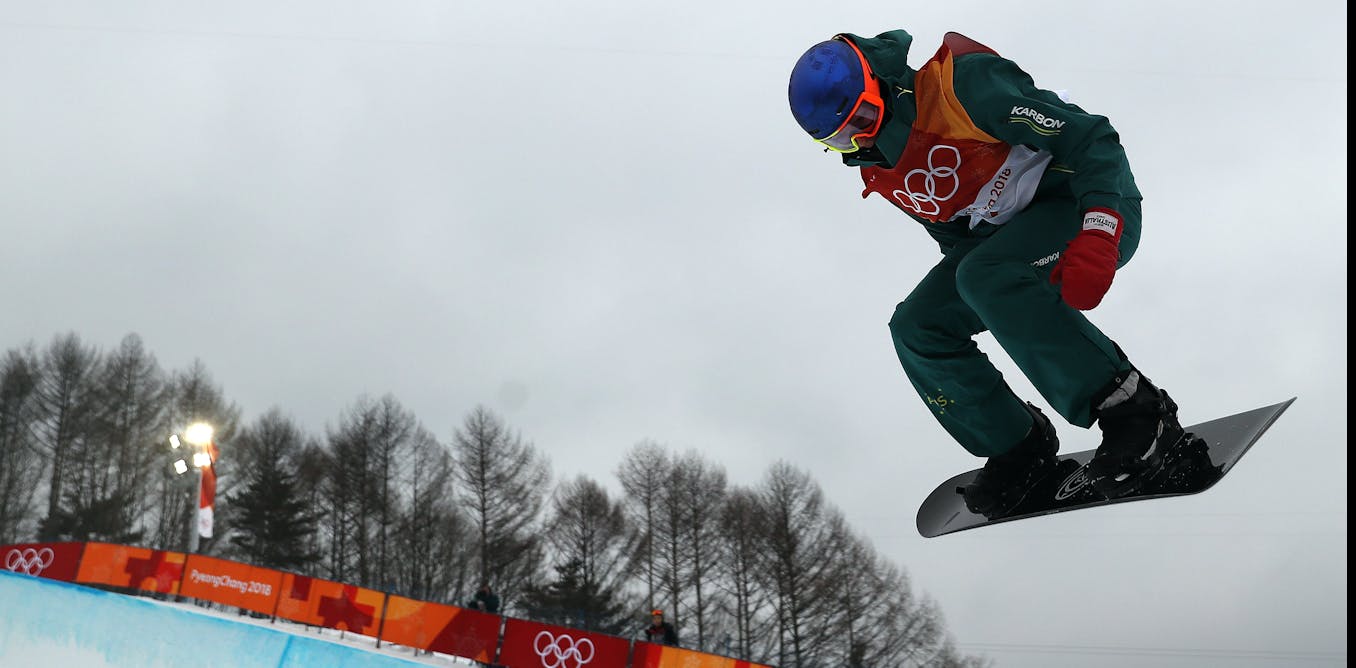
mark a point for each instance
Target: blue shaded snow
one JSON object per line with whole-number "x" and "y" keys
{"x": 50, "y": 624}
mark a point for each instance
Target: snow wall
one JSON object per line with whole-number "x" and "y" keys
{"x": 50, "y": 624}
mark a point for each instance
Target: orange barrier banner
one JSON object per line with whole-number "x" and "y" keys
{"x": 231, "y": 583}
{"x": 330, "y": 604}
{"x": 470, "y": 634}
{"x": 55, "y": 561}
{"x": 131, "y": 567}
{"x": 532, "y": 645}
{"x": 440, "y": 628}
{"x": 650, "y": 655}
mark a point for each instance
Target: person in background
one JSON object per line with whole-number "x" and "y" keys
{"x": 485, "y": 600}
{"x": 659, "y": 631}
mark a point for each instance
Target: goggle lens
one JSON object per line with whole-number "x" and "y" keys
{"x": 863, "y": 121}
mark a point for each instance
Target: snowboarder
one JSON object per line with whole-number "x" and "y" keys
{"x": 1033, "y": 203}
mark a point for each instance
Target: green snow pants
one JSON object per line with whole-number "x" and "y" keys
{"x": 1000, "y": 282}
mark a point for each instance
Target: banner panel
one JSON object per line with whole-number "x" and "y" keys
{"x": 650, "y": 655}
{"x": 330, "y": 604}
{"x": 54, "y": 561}
{"x": 532, "y": 645}
{"x": 231, "y": 583}
{"x": 131, "y": 567}
{"x": 470, "y": 634}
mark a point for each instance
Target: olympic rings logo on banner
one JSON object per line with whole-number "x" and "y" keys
{"x": 563, "y": 651}
{"x": 925, "y": 193}
{"x": 29, "y": 561}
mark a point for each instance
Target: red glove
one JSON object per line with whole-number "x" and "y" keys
{"x": 1085, "y": 270}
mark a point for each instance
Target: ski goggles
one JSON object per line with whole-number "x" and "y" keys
{"x": 867, "y": 112}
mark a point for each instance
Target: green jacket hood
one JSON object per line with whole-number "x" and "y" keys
{"x": 888, "y": 55}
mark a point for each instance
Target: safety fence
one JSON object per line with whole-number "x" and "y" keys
{"x": 386, "y": 618}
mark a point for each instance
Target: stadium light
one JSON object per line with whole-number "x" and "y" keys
{"x": 199, "y": 434}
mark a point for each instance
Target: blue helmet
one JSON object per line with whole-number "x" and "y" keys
{"x": 825, "y": 84}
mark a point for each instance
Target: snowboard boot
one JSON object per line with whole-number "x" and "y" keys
{"x": 1005, "y": 479}
{"x": 1188, "y": 469}
{"x": 1139, "y": 429}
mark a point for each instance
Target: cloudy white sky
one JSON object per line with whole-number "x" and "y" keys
{"x": 599, "y": 219}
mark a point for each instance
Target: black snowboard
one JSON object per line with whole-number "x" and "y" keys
{"x": 1209, "y": 450}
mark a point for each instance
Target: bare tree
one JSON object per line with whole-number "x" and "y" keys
{"x": 742, "y": 542}
{"x": 590, "y": 544}
{"x": 335, "y": 492}
{"x": 672, "y": 556}
{"x": 431, "y": 536}
{"x": 868, "y": 638}
{"x": 315, "y": 476}
{"x": 109, "y": 496}
{"x": 642, "y": 474}
{"x": 913, "y": 633}
{"x": 20, "y": 460}
{"x": 676, "y": 503}
{"x": 700, "y": 497}
{"x": 348, "y": 498}
{"x": 367, "y": 447}
{"x": 66, "y": 407}
{"x": 503, "y": 486}
{"x": 804, "y": 534}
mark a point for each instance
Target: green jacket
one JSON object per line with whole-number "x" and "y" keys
{"x": 995, "y": 129}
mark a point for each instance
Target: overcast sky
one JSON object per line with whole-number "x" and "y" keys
{"x": 598, "y": 219}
